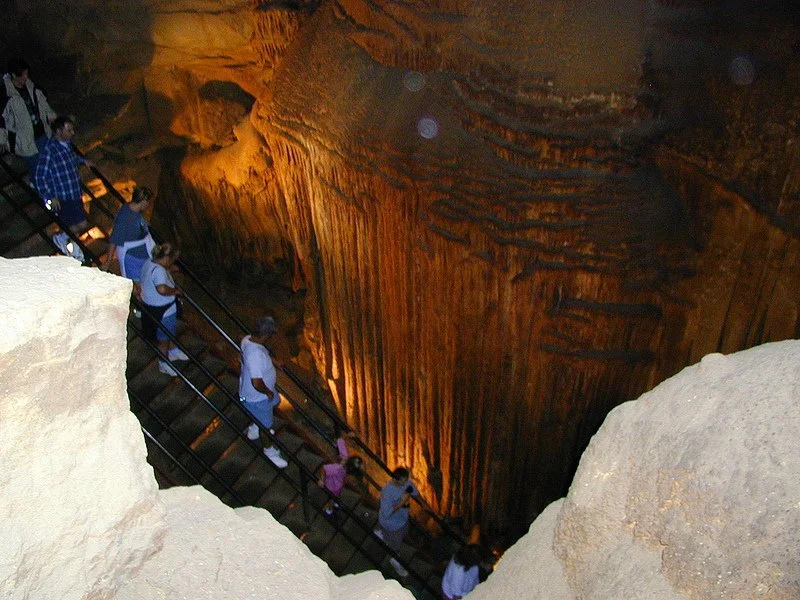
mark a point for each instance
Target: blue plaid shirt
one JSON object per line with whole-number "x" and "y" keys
{"x": 57, "y": 174}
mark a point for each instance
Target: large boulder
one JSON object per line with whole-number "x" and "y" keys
{"x": 689, "y": 492}
{"x": 79, "y": 506}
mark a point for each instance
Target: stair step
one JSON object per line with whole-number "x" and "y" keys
{"x": 254, "y": 481}
{"x": 319, "y": 534}
{"x": 338, "y": 554}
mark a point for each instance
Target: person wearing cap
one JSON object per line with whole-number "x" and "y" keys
{"x": 258, "y": 384}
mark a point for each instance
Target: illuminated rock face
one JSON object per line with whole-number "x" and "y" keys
{"x": 485, "y": 296}
{"x": 499, "y": 245}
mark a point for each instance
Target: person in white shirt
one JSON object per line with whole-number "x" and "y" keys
{"x": 258, "y": 384}
{"x": 159, "y": 296}
{"x": 462, "y": 574}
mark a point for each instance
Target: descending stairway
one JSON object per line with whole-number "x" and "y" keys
{"x": 194, "y": 423}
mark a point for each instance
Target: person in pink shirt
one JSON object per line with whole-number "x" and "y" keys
{"x": 333, "y": 475}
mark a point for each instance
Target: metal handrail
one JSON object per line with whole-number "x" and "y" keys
{"x": 333, "y": 415}
{"x": 186, "y": 448}
{"x": 161, "y": 447}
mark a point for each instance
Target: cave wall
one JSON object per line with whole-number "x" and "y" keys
{"x": 600, "y": 201}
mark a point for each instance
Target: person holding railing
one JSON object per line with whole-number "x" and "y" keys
{"x": 258, "y": 381}
{"x": 131, "y": 242}
{"x": 333, "y": 474}
{"x": 394, "y": 513}
{"x": 160, "y": 297}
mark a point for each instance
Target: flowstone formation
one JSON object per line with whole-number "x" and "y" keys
{"x": 509, "y": 217}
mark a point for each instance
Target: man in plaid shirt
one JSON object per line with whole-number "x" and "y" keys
{"x": 57, "y": 179}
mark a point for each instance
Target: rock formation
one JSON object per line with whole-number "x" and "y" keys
{"x": 688, "y": 492}
{"x": 79, "y": 502}
{"x": 509, "y": 216}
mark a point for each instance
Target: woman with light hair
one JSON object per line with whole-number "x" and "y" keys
{"x": 160, "y": 296}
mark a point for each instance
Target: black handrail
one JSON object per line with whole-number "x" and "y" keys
{"x": 165, "y": 427}
{"x": 333, "y": 415}
{"x": 161, "y": 447}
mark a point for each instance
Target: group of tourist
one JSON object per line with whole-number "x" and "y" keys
{"x": 31, "y": 129}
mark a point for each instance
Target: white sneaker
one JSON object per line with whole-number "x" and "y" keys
{"x": 177, "y": 354}
{"x": 252, "y": 432}
{"x": 67, "y": 247}
{"x": 167, "y": 369}
{"x": 137, "y": 313}
{"x": 378, "y": 533}
{"x": 398, "y": 567}
{"x": 274, "y": 455}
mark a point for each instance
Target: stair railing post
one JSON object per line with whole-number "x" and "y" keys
{"x": 304, "y": 495}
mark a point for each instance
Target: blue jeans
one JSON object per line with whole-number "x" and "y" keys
{"x": 32, "y": 160}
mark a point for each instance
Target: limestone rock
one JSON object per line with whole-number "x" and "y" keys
{"x": 529, "y": 569}
{"x": 79, "y": 504}
{"x": 693, "y": 488}
{"x": 212, "y": 551}
{"x": 689, "y": 492}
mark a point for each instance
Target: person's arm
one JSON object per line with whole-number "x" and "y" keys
{"x": 110, "y": 255}
{"x": 41, "y": 179}
{"x": 403, "y": 502}
{"x": 259, "y": 384}
{"x": 167, "y": 290}
{"x": 341, "y": 446}
{"x": 162, "y": 282}
{"x": 46, "y": 112}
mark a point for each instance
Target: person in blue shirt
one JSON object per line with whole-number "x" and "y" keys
{"x": 57, "y": 178}
{"x": 131, "y": 242}
{"x": 394, "y": 512}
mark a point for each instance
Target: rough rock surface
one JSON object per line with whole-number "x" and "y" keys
{"x": 79, "y": 507}
{"x": 689, "y": 492}
{"x": 212, "y": 551}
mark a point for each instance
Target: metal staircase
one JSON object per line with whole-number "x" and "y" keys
{"x": 194, "y": 423}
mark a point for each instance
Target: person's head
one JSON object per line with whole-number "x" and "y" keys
{"x": 165, "y": 254}
{"x": 400, "y": 476}
{"x": 18, "y": 69}
{"x": 64, "y": 128}
{"x": 467, "y": 557}
{"x": 353, "y": 465}
{"x": 140, "y": 199}
{"x": 264, "y": 329}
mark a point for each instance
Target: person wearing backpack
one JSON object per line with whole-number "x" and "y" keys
{"x": 26, "y": 116}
